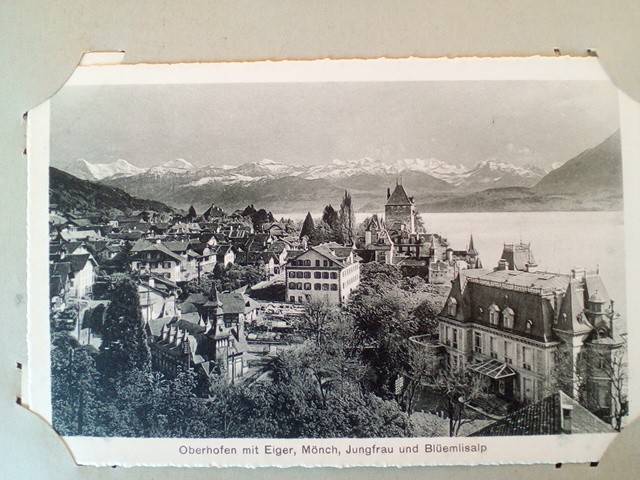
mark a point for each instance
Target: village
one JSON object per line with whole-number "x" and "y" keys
{"x": 224, "y": 293}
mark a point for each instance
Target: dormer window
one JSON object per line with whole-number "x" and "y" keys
{"x": 494, "y": 314}
{"x": 452, "y": 307}
{"x": 529, "y": 325}
{"x": 508, "y": 317}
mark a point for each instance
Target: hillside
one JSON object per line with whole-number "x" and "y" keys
{"x": 598, "y": 169}
{"x": 74, "y": 194}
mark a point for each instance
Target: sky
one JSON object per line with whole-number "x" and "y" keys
{"x": 538, "y": 123}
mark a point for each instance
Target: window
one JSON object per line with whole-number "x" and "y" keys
{"x": 527, "y": 358}
{"x": 317, "y": 275}
{"x": 494, "y": 314}
{"x": 325, "y": 286}
{"x": 317, "y": 286}
{"x": 325, "y": 275}
{"x": 307, "y": 286}
{"x": 334, "y": 275}
{"x": 492, "y": 348}
{"x": 317, "y": 263}
{"x": 154, "y": 265}
{"x": 307, "y": 274}
{"x": 508, "y": 353}
{"x": 166, "y": 264}
{"x": 307, "y": 263}
{"x": 292, "y": 274}
{"x": 527, "y": 387}
{"x": 325, "y": 263}
{"x": 446, "y": 335}
{"x": 454, "y": 342}
{"x": 508, "y": 316}
{"x": 300, "y": 299}
{"x": 292, "y": 285}
{"x": 299, "y": 275}
{"x": 334, "y": 287}
{"x": 529, "y": 325}
{"x": 477, "y": 342}
{"x": 292, "y": 299}
{"x": 452, "y": 307}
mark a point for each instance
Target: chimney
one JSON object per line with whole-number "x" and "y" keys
{"x": 503, "y": 264}
{"x": 566, "y": 418}
{"x": 388, "y": 193}
{"x": 578, "y": 273}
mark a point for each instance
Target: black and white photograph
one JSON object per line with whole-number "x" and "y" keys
{"x": 337, "y": 259}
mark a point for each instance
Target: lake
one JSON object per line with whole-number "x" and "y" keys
{"x": 560, "y": 241}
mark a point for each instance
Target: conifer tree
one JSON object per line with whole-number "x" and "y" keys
{"x": 347, "y": 220}
{"x": 308, "y": 226}
{"x": 192, "y": 213}
{"x": 124, "y": 339}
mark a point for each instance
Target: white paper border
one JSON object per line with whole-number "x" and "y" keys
{"x": 162, "y": 452}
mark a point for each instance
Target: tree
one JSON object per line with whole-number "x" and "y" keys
{"x": 74, "y": 386}
{"x": 457, "y": 387}
{"x": 322, "y": 233}
{"x": 615, "y": 370}
{"x": 314, "y": 322}
{"x": 192, "y": 213}
{"x": 330, "y": 216}
{"x": 308, "y": 226}
{"x": 260, "y": 217}
{"x": 124, "y": 340}
{"x": 427, "y": 311}
{"x": 347, "y": 220}
{"x": 422, "y": 366}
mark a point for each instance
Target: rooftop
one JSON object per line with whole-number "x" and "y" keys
{"x": 532, "y": 282}
{"x": 546, "y": 417}
{"x": 399, "y": 197}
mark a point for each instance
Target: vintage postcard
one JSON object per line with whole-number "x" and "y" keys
{"x": 332, "y": 262}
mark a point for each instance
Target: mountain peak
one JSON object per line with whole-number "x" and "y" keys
{"x": 86, "y": 170}
{"x": 180, "y": 163}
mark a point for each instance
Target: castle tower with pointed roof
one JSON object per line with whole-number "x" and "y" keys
{"x": 400, "y": 210}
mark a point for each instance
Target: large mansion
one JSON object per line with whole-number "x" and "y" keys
{"x": 514, "y": 326}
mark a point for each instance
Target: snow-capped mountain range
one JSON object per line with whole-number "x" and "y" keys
{"x": 179, "y": 183}
{"x": 97, "y": 171}
{"x": 436, "y": 185}
{"x": 484, "y": 175}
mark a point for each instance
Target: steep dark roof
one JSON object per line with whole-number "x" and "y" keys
{"x": 546, "y": 418}
{"x": 77, "y": 262}
{"x": 399, "y": 197}
{"x": 518, "y": 255}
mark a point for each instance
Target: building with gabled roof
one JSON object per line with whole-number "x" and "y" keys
{"x": 328, "y": 271}
{"x": 555, "y": 414}
{"x": 81, "y": 273}
{"x": 157, "y": 259}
